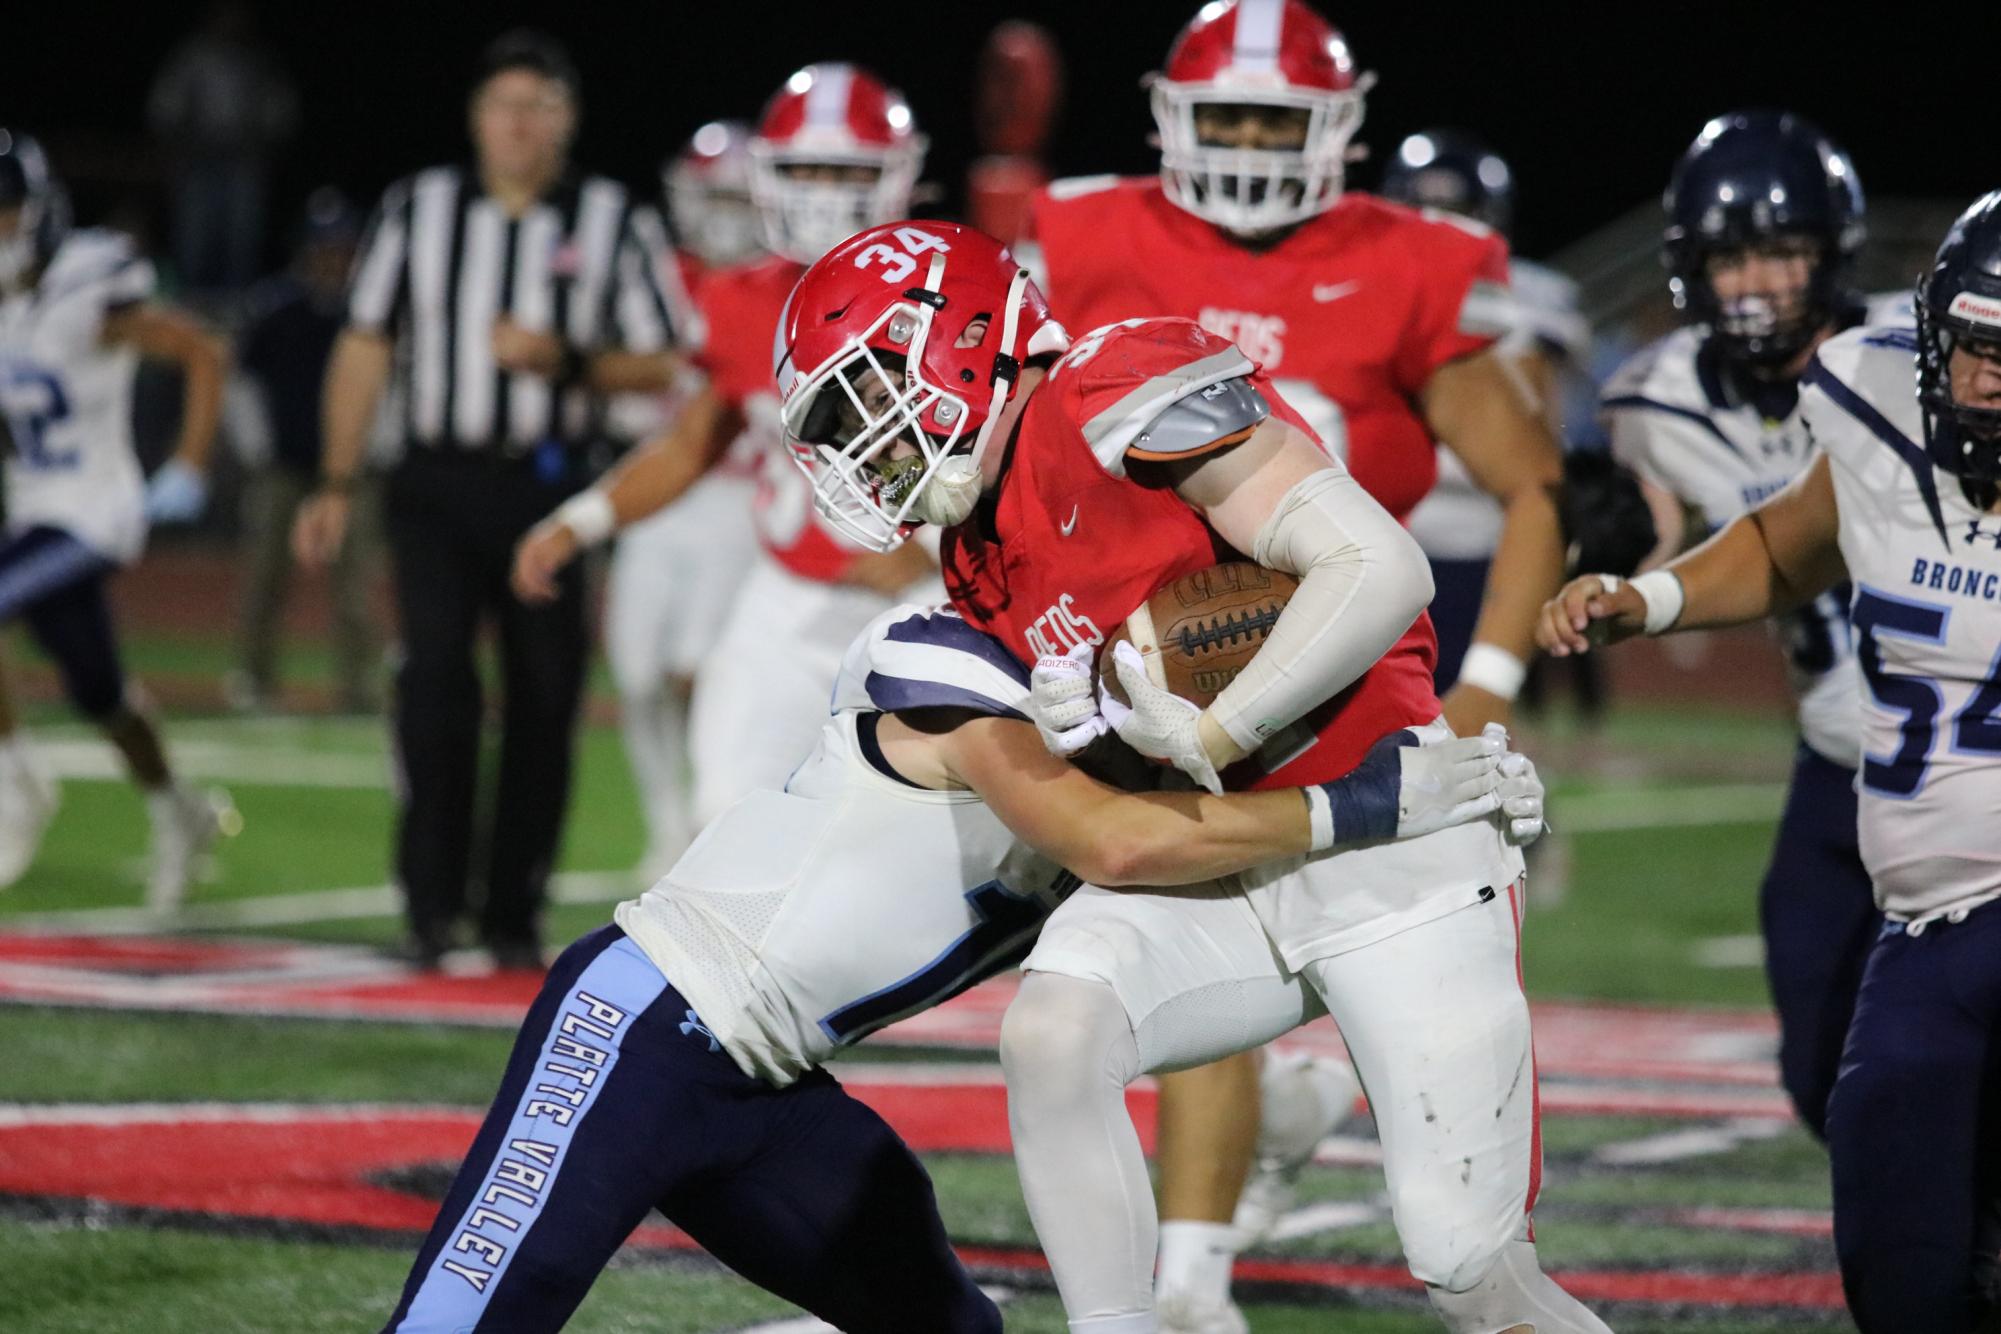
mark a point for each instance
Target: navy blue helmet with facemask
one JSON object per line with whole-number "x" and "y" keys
{"x": 1760, "y": 178}
{"x": 1959, "y": 297}
{"x": 27, "y": 184}
{"x": 1454, "y": 171}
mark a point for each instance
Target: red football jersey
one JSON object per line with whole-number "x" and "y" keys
{"x": 1349, "y": 314}
{"x": 741, "y": 307}
{"x": 1073, "y": 543}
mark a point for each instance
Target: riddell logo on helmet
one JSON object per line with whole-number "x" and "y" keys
{"x": 1973, "y": 306}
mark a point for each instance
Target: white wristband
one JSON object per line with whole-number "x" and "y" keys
{"x": 1661, "y": 590}
{"x": 1491, "y": 668}
{"x": 589, "y": 516}
{"x": 1320, "y": 810}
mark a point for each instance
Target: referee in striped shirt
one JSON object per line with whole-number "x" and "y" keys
{"x": 504, "y": 299}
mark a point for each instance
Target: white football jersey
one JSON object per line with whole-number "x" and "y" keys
{"x": 1677, "y": 422}
{"x": 1925, "y": 566}
{"x": 801, "y": 921}
{"x": 67, "y": 397}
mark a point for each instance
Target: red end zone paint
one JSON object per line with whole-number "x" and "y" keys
{"x": 311, "y": 1164}
{"x": 1573, "y": 1042}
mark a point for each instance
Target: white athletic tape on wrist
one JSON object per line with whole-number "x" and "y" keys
{"x": 1491, "y": 668}
{"x": 1661, "y": 590}
{"x": 1320, "y": 810}
{"x": 589, "y": 516}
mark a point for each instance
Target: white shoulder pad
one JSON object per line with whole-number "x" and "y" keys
{"x": 1661, "y": 372}
{"x": 1144, "y": 411}
{"x": 1070, "y": 187}
{"x": 101, "y": 262}
{"x": 914, "y": 657}
{"x": 1862, "y": 396}
{"x": 1546, "y": 311}
{"x": 1889, "y": 308}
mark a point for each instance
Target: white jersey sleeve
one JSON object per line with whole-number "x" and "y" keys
{"x": 1925, "y": 566}
{"x": 67, "y": 396}
{"x": 801, "y": 921}
{"x": 1675, "y": 421}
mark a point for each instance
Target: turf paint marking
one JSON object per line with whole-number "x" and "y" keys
{"x": 322, "y": 1165}
{"x": 808, "y": 1325}
{"x": 1679, "y": 1146}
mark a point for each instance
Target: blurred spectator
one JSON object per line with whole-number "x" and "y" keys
{"x": 286, "y": 340}
{"x": 221, "y": 105}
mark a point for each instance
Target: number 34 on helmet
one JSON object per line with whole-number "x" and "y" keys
{"x": 895, "y": 356}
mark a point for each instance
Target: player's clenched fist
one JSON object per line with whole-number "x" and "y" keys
{"x": 1590, "y": 609}
{"x": 549, "y": 546}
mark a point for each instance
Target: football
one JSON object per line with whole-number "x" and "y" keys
{"x": 1197, "y": 633}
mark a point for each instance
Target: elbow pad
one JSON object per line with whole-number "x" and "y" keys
{"x": 1363, "y": 580}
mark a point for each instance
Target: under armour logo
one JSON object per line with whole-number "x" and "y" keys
{"x": 693, "y": 1024}
{"x": 1976, "y": 532}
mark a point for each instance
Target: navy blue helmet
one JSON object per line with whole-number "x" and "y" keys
{"x": 1454, "y": 171}
{"x": 27, "y": 184}
{"x": 1959, "y": 296}
{"x": 1756, "y": 177}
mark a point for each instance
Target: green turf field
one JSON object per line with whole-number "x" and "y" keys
{"x": 1665, "y": 820}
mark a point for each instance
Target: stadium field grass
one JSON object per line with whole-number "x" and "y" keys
{"x": 1642, "y": 898}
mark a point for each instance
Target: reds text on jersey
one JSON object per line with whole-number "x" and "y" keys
{"x": 1072, "y": 543}
{"x": 1349, "y": 314}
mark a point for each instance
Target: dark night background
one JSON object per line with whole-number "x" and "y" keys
{"x": 1590, "y": 102}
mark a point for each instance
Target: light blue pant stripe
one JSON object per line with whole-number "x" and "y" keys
{"x": 623, "y": 978}
{"x": 60, "y": 561}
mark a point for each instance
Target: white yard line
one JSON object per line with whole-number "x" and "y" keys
{"x": 1667, "y": 807}
{"x": 808, "y": 1325}
{"x": 320, "y": 905}
{"x": 1676, "y": 1146}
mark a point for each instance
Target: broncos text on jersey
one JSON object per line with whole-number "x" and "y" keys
{"x": 1925, "y": 567}
{"x": 1677, "y": 420}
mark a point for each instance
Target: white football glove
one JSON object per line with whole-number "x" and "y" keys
{"x": 1521, "y": 799}
{"x": 1062, "y": 700}
{"x": 1452, "y": 783}
{"x": 175, "y": 494}
{"x": 1157, "y": 723}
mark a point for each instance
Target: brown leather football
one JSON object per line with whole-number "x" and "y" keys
{"x": 1197, "y": 633}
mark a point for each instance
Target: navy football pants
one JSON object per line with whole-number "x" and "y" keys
{"x": 617, "y": 1102}
{"x": 56, "y": 584}
{"x": 1818, "y": 912}
{"x": 1915, "y": 1129}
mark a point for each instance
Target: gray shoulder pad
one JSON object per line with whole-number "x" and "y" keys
{"x": 1213, "y": 415}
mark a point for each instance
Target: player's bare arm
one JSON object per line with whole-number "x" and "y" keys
{"x": 161, "y": 333}
{"x": 357, "y": 372}
{"x": 647, "y": 480}
{"x": 1276, "y": 498}
{"x": 1773, "y": 559}
{"x": 1483, "y": 411}
{"x": 1113, "y": 838}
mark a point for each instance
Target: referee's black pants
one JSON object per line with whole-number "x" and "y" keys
{"x": 452, "y": 522}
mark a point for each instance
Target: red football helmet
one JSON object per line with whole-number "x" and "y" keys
{"x": 837, "y": 150}
{"x": 707, "y": 187}
{"x": 1259, "y": 53}
{"x": 895, "y": 355}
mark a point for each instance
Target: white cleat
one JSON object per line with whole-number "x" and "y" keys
{"x": 1304, "y": 1100}
{"x": 28, "y": 801}
{"x": 187, "y": 821}
{"x": 1183, "y": 1313}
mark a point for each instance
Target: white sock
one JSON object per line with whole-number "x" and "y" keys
{"x": 1196, "y": 1259}
{"x": 1068, "y": 1051}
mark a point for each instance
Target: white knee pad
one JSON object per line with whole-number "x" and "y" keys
{"x": 1514, "y": 1294}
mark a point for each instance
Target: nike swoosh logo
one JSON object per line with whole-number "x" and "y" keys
{"x": 1071, "y": 523}
{"x": 1324, "y": 292}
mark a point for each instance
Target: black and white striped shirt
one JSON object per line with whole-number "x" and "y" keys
{"x": 442, "y": 262}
